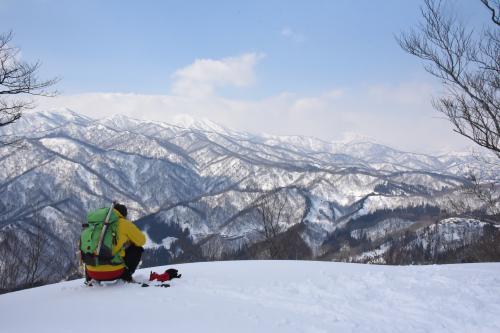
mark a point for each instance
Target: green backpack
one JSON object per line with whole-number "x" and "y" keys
{"x": 89, "y": 239}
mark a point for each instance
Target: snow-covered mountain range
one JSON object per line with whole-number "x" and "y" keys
{"x": 207, "y": 178}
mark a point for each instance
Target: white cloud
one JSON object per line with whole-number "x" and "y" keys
{"x": 204, "y": 75}
{"x": 398, "y": 115}
{"x": 288, "y": 32}
{"x": 316, "y": 103}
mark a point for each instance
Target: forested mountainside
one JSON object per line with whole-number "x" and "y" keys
{"x": 202, "y": 191}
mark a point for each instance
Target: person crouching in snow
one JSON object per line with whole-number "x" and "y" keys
{"x": 127, "y": 247}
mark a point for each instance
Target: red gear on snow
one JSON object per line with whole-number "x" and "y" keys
{"x": 159, "y": 277}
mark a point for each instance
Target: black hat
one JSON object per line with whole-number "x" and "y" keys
{"x": 122, "y": 209}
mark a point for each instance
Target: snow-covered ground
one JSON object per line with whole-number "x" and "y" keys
{"x": 270, "y": 296}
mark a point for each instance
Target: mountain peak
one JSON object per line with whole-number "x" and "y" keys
{"x": 203, "y": 124}
{"x": 120, "y": 121}
{"x": 60, "y": 115}
{"x": 43, "y": 120}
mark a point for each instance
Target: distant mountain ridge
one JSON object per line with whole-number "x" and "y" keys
{"x": 207, "y": 178}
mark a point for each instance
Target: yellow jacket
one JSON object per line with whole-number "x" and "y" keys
{"x": 127, "y": 233}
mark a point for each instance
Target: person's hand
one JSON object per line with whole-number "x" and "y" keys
{"x": 173, "y": 273}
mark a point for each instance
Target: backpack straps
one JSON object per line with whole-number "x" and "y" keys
{"x": 104, "y": 228}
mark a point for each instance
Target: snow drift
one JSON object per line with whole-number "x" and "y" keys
{"x": 270, "y": 296}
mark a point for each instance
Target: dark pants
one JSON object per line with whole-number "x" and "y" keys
{"x": 132, "y": 258}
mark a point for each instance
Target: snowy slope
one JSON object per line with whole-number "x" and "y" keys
{"x": 270, "y": 296}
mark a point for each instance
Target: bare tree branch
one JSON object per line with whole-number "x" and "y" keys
{"x": 468, "y": 65}
{"x": 18, "y": 78}
{"x": 494, "y": 12}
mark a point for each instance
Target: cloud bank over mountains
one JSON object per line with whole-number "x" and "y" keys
{"x": 400, "y": 115}
{"x": 201, "y": 78}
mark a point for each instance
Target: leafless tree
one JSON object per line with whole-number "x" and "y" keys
{"x": 468, "y": 64}
{"x": 10, "y": 269}
{"x": 212, "y": 248}
{"x": 488, "y": 194}
{"x": 18, "y": 82}
{"x": 478, "y": 197}
{"x": 494, "y": 7}
{"x": 34, "y": 251}
{"x": 21, "y": 263}
{"x": 274, "y": 213}
{"x": 27, "y": 258}
{"x": 487, "y": 247}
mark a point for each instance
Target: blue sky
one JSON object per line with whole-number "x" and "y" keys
{"x": 281, "y": 61}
